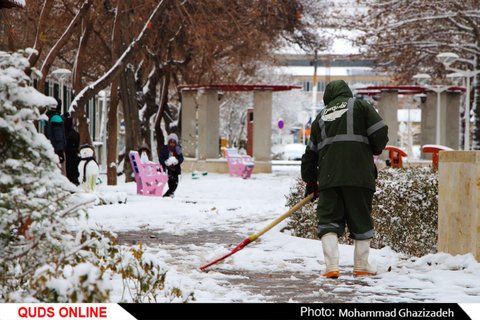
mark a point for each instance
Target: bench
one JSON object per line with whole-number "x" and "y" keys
{"x": 434, "y": 150}
{"x": 239, "y": 165}
{"x": 395, "y": 155}
{"x": 150, "y": 177}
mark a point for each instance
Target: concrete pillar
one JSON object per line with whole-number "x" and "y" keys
{"x": 449, "y": 120}
{"x": 388, "y": 109}
{"x": 452, "y": 120}
{"x": 459, "y": 203}
{"x": 427, "y": 126}
{"x": 189, "y": 123}
{"x": 208, "y": 125}
{"x": 262, "y": 128}
{"x": 200, "y": 124}
{"x": 443, "y": 117}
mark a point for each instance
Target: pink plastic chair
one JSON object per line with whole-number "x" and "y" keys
{"x": 150, "y": 177}
{"x": 239, "y": 165}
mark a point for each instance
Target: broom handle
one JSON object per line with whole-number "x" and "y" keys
{"x": 292, "y": 210}
{"x": 255, "y": 236}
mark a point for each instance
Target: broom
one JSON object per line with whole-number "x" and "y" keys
{"x": 257, "y": 235}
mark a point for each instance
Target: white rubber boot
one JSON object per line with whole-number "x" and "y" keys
{"x": 360, "y": 258}
{"x": 330, "y": 253}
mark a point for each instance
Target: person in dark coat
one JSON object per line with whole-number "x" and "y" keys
{"x": 171, "y": 158}
{"x": 71, "y": 150}
{"x": 55, "y": 132}
{"x": 338, "y": 168}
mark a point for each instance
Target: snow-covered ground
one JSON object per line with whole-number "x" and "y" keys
{"x": 212, "y": 214}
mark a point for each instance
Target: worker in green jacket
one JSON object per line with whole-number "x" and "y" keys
{"x": 338, "y": 169}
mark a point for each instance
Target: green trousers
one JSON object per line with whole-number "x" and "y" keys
{"x": 350, "y": 206}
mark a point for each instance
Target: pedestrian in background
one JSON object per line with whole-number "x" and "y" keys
{"x": 71, "y": 150}
{"x": 54, "y": 130}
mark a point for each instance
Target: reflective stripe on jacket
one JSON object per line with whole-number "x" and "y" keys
{"x": 344, "y": 137}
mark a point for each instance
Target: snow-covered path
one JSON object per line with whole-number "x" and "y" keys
{"x": 211, "y": 215}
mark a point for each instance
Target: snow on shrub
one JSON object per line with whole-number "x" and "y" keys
{"x": 34, "y": 196}
{"x": 41, "y": 258}
{"x": 404, "y": 211}
{"x": 302, "y": 223}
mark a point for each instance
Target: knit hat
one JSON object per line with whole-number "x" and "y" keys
{"x": 173, "y": 136}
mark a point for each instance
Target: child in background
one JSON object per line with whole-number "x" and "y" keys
{"x": 171, "y": 158}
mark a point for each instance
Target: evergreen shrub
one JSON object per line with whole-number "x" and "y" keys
{"x": 42, "y": 257}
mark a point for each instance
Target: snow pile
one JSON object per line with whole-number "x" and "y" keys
{"x": 172, "y": 161}
{"x": 105, "y": 198}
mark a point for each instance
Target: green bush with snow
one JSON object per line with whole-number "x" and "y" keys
{"x": 404, "y": 211}
{"x": 41, "y": 258}
{"x": 302, "y": 223}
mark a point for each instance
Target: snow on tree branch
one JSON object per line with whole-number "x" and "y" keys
{"x": 89, "y": 91}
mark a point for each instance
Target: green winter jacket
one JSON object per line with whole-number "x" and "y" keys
{"x": 344, "y": 137}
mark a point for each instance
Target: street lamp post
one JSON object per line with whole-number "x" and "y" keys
{"x": 62, "y": 75}
{"x": 314, "y": 86}
{"x": 423, "y": 79}
{"x": 447, "y": 58}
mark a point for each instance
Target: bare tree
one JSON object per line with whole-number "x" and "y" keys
{"x": 404, "y": 37}
{"x": 61, "y": 42}
{"x": 148, "y": 50}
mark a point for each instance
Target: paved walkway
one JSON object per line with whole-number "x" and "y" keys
{"x": 274, "y": 286}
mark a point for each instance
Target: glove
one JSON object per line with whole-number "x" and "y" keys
{"x": 312, "y": 187}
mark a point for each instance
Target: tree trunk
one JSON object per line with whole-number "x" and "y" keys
{"x": 90, "y": 91}
{"x": 40, "y": 36}
{"x": 168, "y": 120}
{"x": 179, "y": 94}
{"x": 83, "y": 131}
{"x": 78, "y": 65}
{"x": 161, "y": 110}
{"x": 4, "y": 21}
{"x": 53, "y": 53}
{"x": 77, "y": 85}
{"x": 151, "y": 106}
{"x": 112, "y": 132}
{"x": 112, "y": 122}
{"x": 132, "y": 122}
